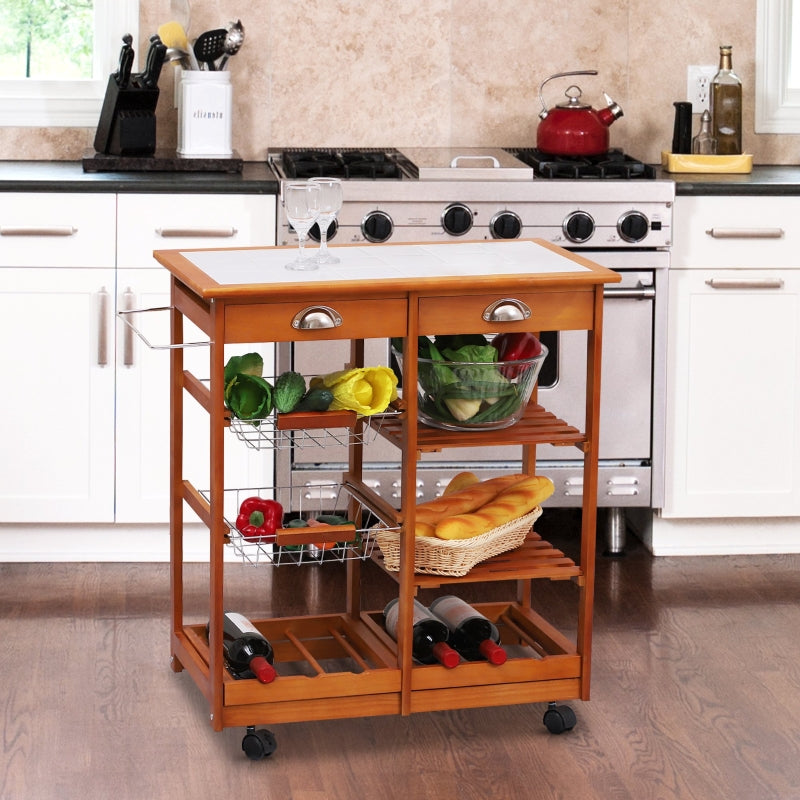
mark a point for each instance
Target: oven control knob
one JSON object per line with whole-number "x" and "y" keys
{"x": 505, "y": 225}
{"x": 377, "y": 226}
{"x": 456, "y": 219}
{"x": 578, "y": 227}
{"x": 313, "y": 233}
{"x": 633, "y": 226}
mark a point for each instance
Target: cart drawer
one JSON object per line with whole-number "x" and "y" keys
{"x": 349, "y": 319}
{"x": 548, "y": 311}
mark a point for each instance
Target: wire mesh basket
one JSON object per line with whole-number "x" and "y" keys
{"x": 325, "y": 543}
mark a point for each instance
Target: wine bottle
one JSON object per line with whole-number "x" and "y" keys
{"x": 472, "y": 634}
{"x": 429, "y": 635}
{"x": 726, "y": 105}
{"x": 247, "y": 652}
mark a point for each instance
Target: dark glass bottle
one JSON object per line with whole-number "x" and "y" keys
{"x": 472, "y": 634}
{"x": 429, "y": 637}
{"x": 247, "y": 652}
{"x": 726, "y": 106}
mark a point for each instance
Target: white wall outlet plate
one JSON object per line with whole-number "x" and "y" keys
{"x": 698, "y": 86}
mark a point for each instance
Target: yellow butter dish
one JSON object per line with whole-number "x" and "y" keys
{"x": 688, "y": 162}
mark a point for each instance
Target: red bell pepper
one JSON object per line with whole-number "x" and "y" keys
{"x": 259, "y": 518}
{"x": 516, "y": 347}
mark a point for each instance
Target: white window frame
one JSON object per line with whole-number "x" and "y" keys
{"x": 73, "y": 103}
{"x": 777, "y": 103}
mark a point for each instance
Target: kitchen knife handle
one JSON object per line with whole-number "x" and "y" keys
{"x": 745, "y": 283}
{"x": 102, "y": 327}
{"x": 746, "y": 233}
{"x": 128, "y": 298}
{"x": 33, "y": 230}
{"x": 206, "y": 233}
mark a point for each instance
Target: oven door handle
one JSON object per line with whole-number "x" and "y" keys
{"x": 632, "y": 293}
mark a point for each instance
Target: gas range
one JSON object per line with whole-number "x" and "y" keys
{"x": 450, "y": 194}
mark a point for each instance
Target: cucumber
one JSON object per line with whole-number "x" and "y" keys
{"x": 289, "y": 389}
{"x": 315, "y": 400}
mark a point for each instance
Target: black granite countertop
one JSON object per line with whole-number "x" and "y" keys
{"x": 257, "y": 178}
{"x": 763, "y": 180}
{"x": 69, "y": 176}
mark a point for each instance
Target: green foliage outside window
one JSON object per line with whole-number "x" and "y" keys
{"x": 46, "y": 39}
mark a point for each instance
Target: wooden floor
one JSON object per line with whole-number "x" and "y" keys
{"x": 695, "y": 694}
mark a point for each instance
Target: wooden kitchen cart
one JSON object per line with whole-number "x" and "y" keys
{"x": 240, "y": 296}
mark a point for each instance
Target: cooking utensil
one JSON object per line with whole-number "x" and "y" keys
{"x": 233, "y": 41}
{"x": 574, "y": 128}
{"x": 173, "y": 35}
{"x": 181, "y": 11}
{"x": 682, "y": 130}
{"x": 209, "y": 46}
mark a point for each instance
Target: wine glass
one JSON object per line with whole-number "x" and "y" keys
{"x": 301, "y": 204}
{"x": 330, "y": 204}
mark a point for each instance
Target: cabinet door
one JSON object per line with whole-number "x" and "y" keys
{"x": 143, "y": 409}
{"x": 733, "y": 411}
{"x": 57, "y": 404}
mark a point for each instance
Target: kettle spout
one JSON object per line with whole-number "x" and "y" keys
{"x": 611, "y": 113}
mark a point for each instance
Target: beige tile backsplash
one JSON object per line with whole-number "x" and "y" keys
{"x": 442, "y": 73}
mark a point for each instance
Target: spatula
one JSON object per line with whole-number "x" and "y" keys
{"x": 209, "y": 46}
{"x": 173, "y": 35}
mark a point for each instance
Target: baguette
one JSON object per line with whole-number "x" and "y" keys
{"x": 460, "y": 481}
{"x": 465, "y": 500}
{"x": 424, "y": 529}
{"x": 515, "y": 501}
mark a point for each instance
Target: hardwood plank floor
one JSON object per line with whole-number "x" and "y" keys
{"x": 695, "y": 693}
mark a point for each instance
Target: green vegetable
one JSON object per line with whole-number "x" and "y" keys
{"x": 333, "y": 519}
{"x": 463, "y": 408}
{"x": 289, "y": 389}
{"x": 483, "y": 353}
{"x": 248, "y": 364}
{"x": 249, "y": 396}
{"x": 456, "y": 341}
{"x": 315, "y": 400}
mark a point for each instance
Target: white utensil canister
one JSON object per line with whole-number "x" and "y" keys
{"x": 205, "y": 101}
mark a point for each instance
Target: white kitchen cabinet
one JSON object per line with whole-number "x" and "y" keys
{"x": 733, "y": 400}
{"x": 85, "y": 431}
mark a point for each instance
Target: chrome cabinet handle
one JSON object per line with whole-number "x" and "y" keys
{"x": 634, "y": 293}
{"x": 746, "y": 233}
{"x": 102, "y": 327}
{"x": 316, "y": 317}
{"x": 745, "y": 283}
{"x": 494, "y": 162}
{"x": 33, "y": 230}
{"x": 508, "y": 309}
{"x": 205, "y": 233}
{"x": 128, "y": 298}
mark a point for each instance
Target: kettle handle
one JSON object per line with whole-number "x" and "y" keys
{"x": 543, "y": 112}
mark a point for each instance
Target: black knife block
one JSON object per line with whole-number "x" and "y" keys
{"x": 127, "y": 125}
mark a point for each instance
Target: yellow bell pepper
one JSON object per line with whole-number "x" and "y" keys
{"x": 365, "y": 390}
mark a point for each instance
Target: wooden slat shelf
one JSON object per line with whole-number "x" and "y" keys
{"x": 537, "y": 426}
{"x": 536, "y": 558}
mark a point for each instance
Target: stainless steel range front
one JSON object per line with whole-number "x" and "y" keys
{"x": 613, "y": 210}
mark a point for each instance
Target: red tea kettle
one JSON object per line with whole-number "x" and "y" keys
{"x": 574, "y": 128}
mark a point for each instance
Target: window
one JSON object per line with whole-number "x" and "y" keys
{"x": 778, "y": 66}
{"x": 67, "y": 91}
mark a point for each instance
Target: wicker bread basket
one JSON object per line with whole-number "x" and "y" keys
{"x": 455, "y": 557}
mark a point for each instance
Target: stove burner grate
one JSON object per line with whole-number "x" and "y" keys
{"x": 613, "y": 165}
{"x": 347, "y": 164}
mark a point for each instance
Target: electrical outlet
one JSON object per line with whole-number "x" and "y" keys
{"x": 698, "y": 87}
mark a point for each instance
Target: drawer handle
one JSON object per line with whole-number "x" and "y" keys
{"x": 102, "y": 327}
{"x": 56, "y": 230}
{"x": 206, "y": 233}
{"x": 745, "y": 283}
{"x": 746, "y": 233}
{"x": 507, "y": 310}
{"x": 316, "y": 317}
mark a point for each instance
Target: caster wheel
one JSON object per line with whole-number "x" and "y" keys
{"x": 558, "y": 719}
{"x": 258, "y": 744}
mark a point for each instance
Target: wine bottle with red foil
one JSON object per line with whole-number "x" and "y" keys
{"x": 472, "y": 634}
{"x": 247, "y": 652}
{"x": 429, "y": 635}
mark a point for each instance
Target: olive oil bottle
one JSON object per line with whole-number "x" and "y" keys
{"x": 726, "y": 106}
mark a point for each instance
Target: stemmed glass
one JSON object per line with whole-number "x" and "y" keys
{"x": 301, "y": 204}
{"x": 330, "y": 204}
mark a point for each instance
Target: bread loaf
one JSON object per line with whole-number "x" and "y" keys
{"x": 515, "y": 501}
{"x": 424, "y": 529}
{"x": 460, "y": 481}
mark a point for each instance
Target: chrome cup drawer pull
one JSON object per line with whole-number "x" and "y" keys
{"x": 507, "y": 310}
{"x": 315, "y": 318}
